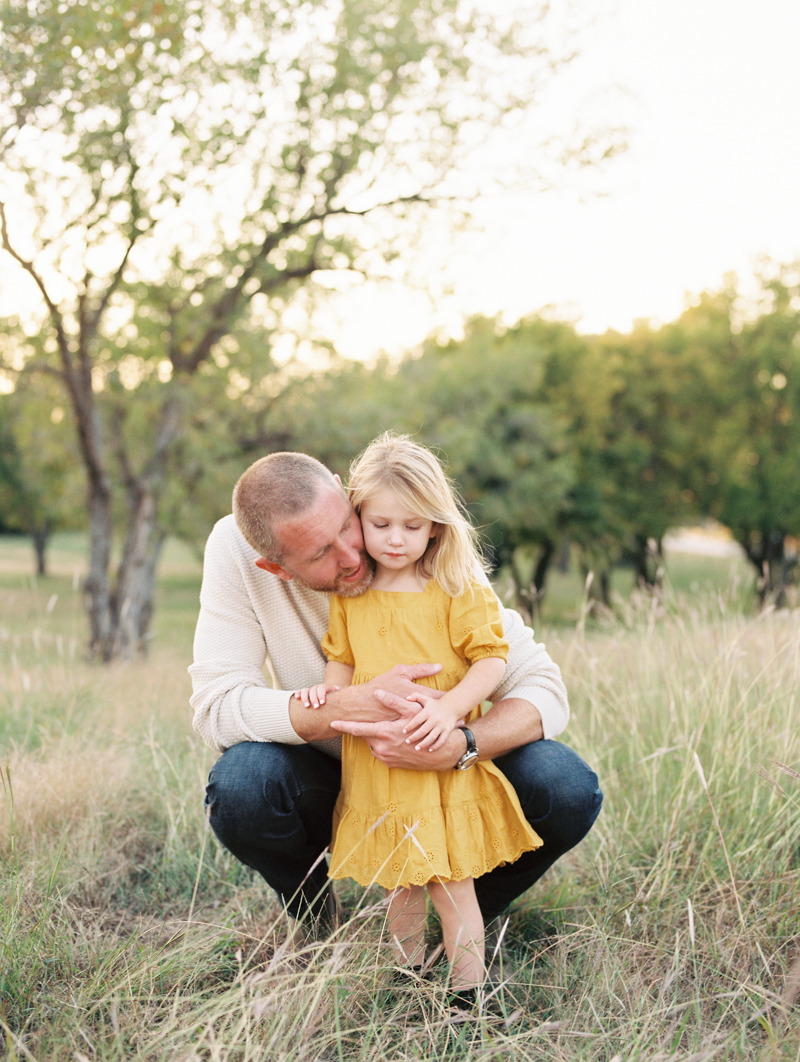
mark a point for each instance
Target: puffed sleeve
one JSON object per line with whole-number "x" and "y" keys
{"x": 336, "y": 643}
{"x": 476, "y": 628}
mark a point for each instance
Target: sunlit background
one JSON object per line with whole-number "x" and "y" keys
{"x": 710, "y": 93}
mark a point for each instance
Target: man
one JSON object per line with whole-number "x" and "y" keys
{"x": 294, "y": 539}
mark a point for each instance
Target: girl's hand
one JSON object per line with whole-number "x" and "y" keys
{"x": 314, "y": 696}
{"x": 430, "y": 727}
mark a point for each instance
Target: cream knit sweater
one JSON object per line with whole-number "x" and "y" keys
{"x": 251, "y": 620}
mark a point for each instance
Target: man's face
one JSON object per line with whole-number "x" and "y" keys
{"x": 323, "y": 549}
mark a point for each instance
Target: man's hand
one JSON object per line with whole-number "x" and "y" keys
{"x": 510, "y": 723}
{"x": 362, "y": 703}
{"x": 400, "y": 683}
{"x": 387, "y": 742}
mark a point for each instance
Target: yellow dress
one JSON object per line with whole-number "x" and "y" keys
{"x": 401, "y": 827}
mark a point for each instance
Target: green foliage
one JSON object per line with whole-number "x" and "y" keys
{"x": 40, "y": 485}
{"x": 756, "y": 447}
{"x": 481, "y": 402}
{"x": 180, "y": 171}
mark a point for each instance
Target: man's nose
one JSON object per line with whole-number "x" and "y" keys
{"x": 349, "y": 556}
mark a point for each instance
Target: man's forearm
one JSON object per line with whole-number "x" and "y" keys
{"x": 356, "y": 703}
{"x": 510, "y": 724}
{"x": 507, "y": 725}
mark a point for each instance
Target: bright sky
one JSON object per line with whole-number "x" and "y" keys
{"x": 711, "y": 182}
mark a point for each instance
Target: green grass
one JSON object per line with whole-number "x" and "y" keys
{"x": 670, "y": 933}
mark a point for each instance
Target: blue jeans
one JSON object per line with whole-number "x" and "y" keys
{"x": 272, "y": 805}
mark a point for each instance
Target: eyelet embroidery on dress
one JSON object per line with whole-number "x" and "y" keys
{"x": 440, "y": 626}
{"x": 397, "y": 867}
{"x": 382, "y": 632}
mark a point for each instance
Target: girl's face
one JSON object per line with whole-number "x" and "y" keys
{"x": 394, "y": 537}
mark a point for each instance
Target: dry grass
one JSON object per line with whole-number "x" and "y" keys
{"x": 671, "y": 933}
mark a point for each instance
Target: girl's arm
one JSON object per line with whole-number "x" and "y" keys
{"x": 431, "y": 726}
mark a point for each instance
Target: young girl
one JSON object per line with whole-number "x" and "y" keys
{"x": 408, "y": 829}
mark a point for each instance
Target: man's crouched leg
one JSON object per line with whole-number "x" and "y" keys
{"x": 560, "y": 798}
{"x": 271, "y": 806}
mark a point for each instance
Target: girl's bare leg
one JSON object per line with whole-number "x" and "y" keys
{"x": 406, "y": 922}
{"x": 462, "y": 929}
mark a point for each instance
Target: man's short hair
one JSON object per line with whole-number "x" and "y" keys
{"x": 273, "y": 489}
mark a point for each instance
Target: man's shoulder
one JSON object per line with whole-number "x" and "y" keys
{"x": 226, "y": 529}
{"x": 226, "y": 536}
{"x": 227, "y": 550}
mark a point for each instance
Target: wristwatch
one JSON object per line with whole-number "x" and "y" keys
{"x": 471, "y": 755}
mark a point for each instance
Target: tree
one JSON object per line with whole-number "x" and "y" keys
{"x": 480, "y": 401}
{"x": 179, "y": 170}
{"x": 753, "y": 486}
{"x": 39, "y": 481}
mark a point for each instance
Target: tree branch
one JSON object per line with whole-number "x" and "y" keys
{"x": 53, "y": 310}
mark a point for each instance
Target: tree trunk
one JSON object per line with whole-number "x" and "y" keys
{"x": 768, "y": 556}
{"x": 135, "y": 589}
{"x": 96, "y": 588}
{"x": 648, "y": 562}
{"x": 598, "y": 589}
{"x": 528, "y": 595}
{"x": 40, "y": 536}
{"x": 542, "y": 568}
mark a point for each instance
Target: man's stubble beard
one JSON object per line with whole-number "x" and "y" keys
{"x": 345, "y": 590}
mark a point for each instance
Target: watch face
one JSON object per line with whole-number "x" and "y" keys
{"x": 468, "y": 759}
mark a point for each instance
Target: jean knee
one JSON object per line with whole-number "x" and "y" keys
{"x": 255, "y": 783}
{"x": 552, "y": 781}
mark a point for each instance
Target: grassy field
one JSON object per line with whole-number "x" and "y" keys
{"x": 672, "y": 932}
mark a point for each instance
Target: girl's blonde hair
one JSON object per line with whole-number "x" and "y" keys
{"x": 453, "y": 557}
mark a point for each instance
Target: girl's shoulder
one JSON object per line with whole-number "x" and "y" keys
{"x": 478, "y": 595}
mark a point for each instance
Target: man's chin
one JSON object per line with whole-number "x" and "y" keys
{"x": 340, "y": 587}
{"x": 345, "y": 589}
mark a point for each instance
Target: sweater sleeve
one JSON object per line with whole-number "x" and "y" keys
{"x": 533, "y": 676}
{"x": 231, "y": 698}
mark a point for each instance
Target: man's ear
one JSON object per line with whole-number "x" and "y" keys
{"x": 273, "y": 568}
{"x": 338, "y": 480}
